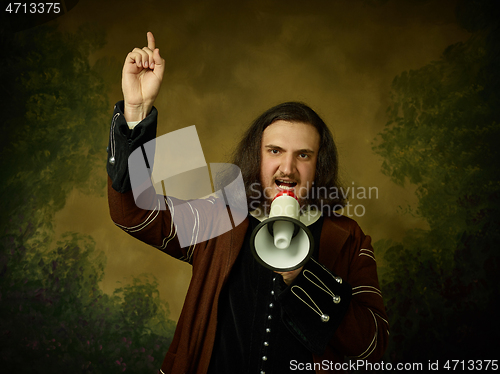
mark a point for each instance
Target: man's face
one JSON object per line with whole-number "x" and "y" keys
{"x": 289, "y": 152}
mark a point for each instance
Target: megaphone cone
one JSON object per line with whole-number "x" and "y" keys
{"x": 281, "y": 242}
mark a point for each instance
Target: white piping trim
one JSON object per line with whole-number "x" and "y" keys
{"x": 337, "y": 279}
{"x": 143, "y": 224}
{"x": 373, "y": 343}
{"x": 369, "y": 254}
{"x": 366, "y": 254}
{"x": 383, "y": 319}
{"x": 171, "y": 208}
{"x": 112, "y": 134}
{"x": 194, "y": 236}
{"x": 328, "y": 291}
{"x": 320, "y": 313}
{"x": 377, "y": 291}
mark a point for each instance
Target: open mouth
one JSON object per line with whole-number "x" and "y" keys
{"x": 285, "y": 184}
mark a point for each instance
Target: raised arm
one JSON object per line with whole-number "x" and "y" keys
{"x": 174, "y": 226}
{"x": 141, "y": 80}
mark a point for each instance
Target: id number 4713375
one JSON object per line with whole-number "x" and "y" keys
{"x": 33, "y": 8}
{"x": 471, "y": 365}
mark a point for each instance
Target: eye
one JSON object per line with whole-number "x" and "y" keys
{"x": 304, "y": 156}
{"x": 274, "y": 151}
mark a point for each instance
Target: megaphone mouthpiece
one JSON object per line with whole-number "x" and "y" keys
{"x": 285, "y": 204}
{"x": 283, "y": 233}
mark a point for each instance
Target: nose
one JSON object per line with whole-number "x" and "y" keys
{"x": 287, "y": 165}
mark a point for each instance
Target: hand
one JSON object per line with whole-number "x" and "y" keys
{"x": 289, "y": 276}
{"x": 141, "y": 80}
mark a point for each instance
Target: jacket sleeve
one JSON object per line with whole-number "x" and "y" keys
{"x": 345, "y": 314}
{"x": 161, "y": 224}
{"x": 364, "y": 331}
{"x": 123, "y": 141}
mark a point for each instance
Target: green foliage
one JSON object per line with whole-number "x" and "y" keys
{"x": 141, "y": 306}
{"x": 54, "y": 116}
{"x": 443, "y": 135}
{"x": 54, "y": 318}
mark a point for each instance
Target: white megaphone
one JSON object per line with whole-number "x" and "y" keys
{"x": 282, "y": 242}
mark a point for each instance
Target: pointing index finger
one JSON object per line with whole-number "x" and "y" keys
{"x": 151, "y": 41}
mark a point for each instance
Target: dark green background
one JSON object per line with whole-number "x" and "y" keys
{"x": 409, "y": 88}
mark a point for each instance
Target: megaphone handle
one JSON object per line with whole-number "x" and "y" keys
{"x": 289, "y": 276}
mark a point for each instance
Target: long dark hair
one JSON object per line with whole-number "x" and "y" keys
{"x": 247, "y": 155}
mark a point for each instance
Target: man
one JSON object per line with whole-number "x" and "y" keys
{"x": 240, "y": 317}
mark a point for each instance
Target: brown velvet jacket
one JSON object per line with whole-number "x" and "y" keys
{"x": 360, "y": 329}
{"x": 344, "y": 250}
